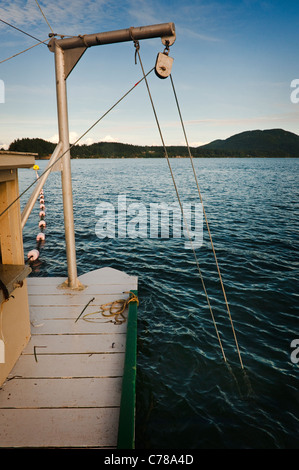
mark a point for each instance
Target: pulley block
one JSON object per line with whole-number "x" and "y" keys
{"x": 163, "y": 65}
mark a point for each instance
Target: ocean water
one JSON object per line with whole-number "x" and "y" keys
{"x": 187, "y": 396}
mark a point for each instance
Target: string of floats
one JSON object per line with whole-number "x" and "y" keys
{"x": 41, "y": 237}
{"x": 33, "y": 255}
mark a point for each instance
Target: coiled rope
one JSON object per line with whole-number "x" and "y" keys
{"x": 114, "y": 310}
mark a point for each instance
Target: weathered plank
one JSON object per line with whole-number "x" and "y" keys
{"x": 65, "y": 389}
{"x": 80, "y": 299}
{"x": 104, "y": 276}
{"x": 70, "y": 365}
{"x": 40, "y": 288}
{"x": 64, "y": 311}
{"x": 87, "y": 427}
{"x": 45, "y": 281}
{"x": 80, "y": 344}
{"x": 60, "y": 327}
{"x": 61, "y": 393}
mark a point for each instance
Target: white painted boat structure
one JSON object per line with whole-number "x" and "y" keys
{"x": 65, "y": 382}
{"x": 65, "y": 389}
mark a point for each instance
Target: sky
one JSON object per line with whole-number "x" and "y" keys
{"x": 234, "y": 62}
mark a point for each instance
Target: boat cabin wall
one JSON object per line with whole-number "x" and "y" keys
{"x": 14, "y": 306}
{"x": 15, "y": 330}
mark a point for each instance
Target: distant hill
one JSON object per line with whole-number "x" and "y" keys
{"x": 267, "y": 143}
{"x": 40, "y": 146}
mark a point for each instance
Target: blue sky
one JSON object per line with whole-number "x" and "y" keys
{"x": 233, "y": 65}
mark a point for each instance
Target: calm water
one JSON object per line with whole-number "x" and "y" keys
{"x": 187, "y": 397}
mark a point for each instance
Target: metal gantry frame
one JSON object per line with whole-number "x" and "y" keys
{"x": 68, "y": 52}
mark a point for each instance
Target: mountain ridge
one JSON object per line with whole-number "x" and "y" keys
{"x": 269, "y": 142}
{"x": 255, "y": 143}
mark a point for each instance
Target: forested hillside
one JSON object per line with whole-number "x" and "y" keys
{"x": 267, "y": 143}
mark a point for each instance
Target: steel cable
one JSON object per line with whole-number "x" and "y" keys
{"x": 180, "y": 203}
{"x": 207, "y": 223}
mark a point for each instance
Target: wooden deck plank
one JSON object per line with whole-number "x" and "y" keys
{"x": 45, "y": 281}
{"x": 82, "y": 427}
{"x": 61, "y": 393}
{"x": 117, "y": 289}
{"x": 80, "y": 299}
{"x": 70, "y": 365}
{"x": 69, "y": 393}
{"x": 106, "y": 276}
{"x": 81, "y": 344}
{"x": 59, "y": 312}
{"x": 63, "y": 326}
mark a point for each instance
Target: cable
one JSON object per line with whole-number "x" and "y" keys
{"x": 44, "y": 17}
{"x": 21, "y": 31}
{"x": 207, "y": 223}
{"x": 179, "y": 200}
{"x": 89, "y": 129}
{"x": 22, "y": 52}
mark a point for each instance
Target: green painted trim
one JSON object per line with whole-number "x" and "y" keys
{"x": 126, "y": 427}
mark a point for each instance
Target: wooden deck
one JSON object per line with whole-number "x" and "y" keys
{"x": 65, "y": 389}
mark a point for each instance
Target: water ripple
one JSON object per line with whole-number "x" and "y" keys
{"x": 187, "y": 397}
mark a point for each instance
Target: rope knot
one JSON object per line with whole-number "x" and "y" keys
{"x": 136, "y": 43}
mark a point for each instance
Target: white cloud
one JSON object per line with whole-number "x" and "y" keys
{"x": 88, "y": 141}
{"x": 20, "y": 13}
{"x": 4, "y": 146}
{"x": 196, "y": 144}
{"x": 284, "y": 117}
{"x": 188, "y": 32}
{"x": 66, "y": 18}
{"x": 108, "y": 138}
{"x": 143, "y": 12}
{"x": 53, "y": 139}
{"x": 91, "y": 140}
{"x": 74, "y": 136}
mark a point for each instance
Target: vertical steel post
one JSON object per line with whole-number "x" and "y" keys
{"x": 68, "y": 52}
{"x": 66, "y": 179}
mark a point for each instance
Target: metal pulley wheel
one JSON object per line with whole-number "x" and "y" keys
{"x": 163, "y": 65}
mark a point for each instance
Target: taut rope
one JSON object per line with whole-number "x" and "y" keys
{"x": 137, "y": 47}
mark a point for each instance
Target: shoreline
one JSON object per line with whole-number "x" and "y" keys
{"x": 173, "y": 158}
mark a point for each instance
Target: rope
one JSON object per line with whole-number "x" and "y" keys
{"x": 181, "y": 206}
{"x": 81, "y": 137}
{"x": 44, "y": 17}
{"x": 115, "y": 310}
{"x": 22, "y": 52}
{"x": 21, "y": 31}
{"x": 207, "y": 224}
{"x": 91, "y": 300}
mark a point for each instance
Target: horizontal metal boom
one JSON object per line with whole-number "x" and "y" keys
{"x": 164, "y": 30}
